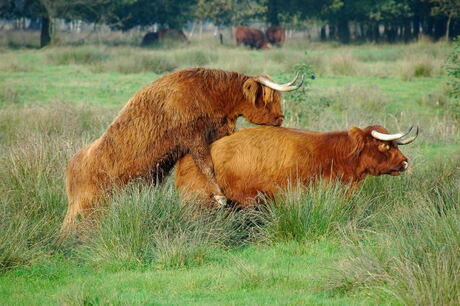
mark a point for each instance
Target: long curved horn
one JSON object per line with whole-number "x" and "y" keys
{"x": 293, "y": 81}
{"x": 389, "y": 137}
{"x": 408, "y": 140}
{"x": 280, "y": 87}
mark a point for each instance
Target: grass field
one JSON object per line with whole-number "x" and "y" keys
{"x": 396, "y": 241}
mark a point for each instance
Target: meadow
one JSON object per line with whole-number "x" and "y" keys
{"x": 396, "y": 241}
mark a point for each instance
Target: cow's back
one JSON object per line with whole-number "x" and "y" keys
{"x": 247, "y": 162}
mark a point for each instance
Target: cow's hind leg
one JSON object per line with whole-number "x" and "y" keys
{"x": 202, "y": 157}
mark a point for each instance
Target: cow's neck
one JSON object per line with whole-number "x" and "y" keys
{"x": 337, "y": 156}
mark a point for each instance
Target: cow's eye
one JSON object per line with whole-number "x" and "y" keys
{"x": 383, "y": 147}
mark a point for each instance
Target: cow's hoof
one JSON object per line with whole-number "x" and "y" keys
{"x": 220, "y": 200}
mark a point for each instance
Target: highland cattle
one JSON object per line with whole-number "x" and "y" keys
{"x": 180, "y": 113}
{"x": 260, "y": 161}
{"x": 251, "y": 37}
{"x": 276, "y": 35}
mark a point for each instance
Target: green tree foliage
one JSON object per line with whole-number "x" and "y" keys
{"x": 49, "y": 10}
{"x": 230, "y": 12}
{"x": 449, "y": 8}
{"x": 453, "y": 70}
{"x": 126, "y": 14}
{"x": 345, "y": 20}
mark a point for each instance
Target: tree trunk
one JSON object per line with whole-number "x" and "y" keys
{"x": 416, "y": 27}
{"x": 447, "y": 27}
{"x": 343, "y": 31}
{"x": 45, "y": 34}
{"x": 332, "y": 32}
{"x": 428, "y": 28}
{"x": 439, "y": 28}
{"x": 322, "y": 34}
{"x": 376, "y": 32}
{"x": 406, "y": 31}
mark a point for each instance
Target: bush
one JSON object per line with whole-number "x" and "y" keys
{"x": 453, "y": 84}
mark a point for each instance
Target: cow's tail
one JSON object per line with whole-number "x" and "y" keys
{"x": 69, "y": 223}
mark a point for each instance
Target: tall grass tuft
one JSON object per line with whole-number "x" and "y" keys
{"x": 310, "y": 213}
{"x": 87, "y": 55}
{"x": 148, "y": 226}
{"x": 343, "y": 64}
{"x": 35, "y": 144}
{"x": 33, "y": 198}
{"x": 412, "y": 254}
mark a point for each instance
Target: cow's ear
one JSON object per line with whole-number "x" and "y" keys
{"x": 357, "y": 140}
{"x": 250, "y": 90}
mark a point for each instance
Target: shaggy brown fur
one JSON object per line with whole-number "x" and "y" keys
{"x": 180, "y": 113}
{"x": 263, "y": 159}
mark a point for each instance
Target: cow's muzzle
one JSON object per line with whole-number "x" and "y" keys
{"x": 403, "y": 167}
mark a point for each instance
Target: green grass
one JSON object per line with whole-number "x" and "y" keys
{"x": 285, "y": 273}
{"x": 393, "y": 242}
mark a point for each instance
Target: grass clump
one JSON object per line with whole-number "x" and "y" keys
{"x": 417, "y": 67}
{"x": 128, "y": 64}
{"x": 412, "y": 254}
{"x": 148, "y": 226}
{"x": 343, "y": 64}
{"x": 194, "y": 57}
{"x": 31, "y": 184}
{"x": 87, "y": 55}
{"x": 9, "y": 95}
{"x": 311, "y": 213}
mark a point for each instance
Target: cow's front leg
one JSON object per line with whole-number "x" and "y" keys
{"x": 202, "y": 157}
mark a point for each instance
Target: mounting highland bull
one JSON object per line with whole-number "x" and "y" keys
{"x": 180, "y": 113}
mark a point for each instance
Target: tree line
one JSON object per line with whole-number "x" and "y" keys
{"x": 342, "y": 20}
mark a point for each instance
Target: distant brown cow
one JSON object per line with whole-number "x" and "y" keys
{"x": 250, "y": 37}
{"x": 261, "y": 160}
{"x": 180, "y": 113}
{"x": 161, "y": 35}
{"x": 276, "y": 35}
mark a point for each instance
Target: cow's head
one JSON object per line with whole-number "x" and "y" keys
{"x": 378, "y": 151}
{"x": 262, "y": 103}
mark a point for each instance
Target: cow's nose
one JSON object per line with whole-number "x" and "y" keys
{"x": 405, "y": 165}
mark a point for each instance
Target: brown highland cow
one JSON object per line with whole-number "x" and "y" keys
{"x": 275, "y": 35}
{"x": 180, "y": 113}
{"x": 251, "y": 37}
{"x": 262, "y": 160}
